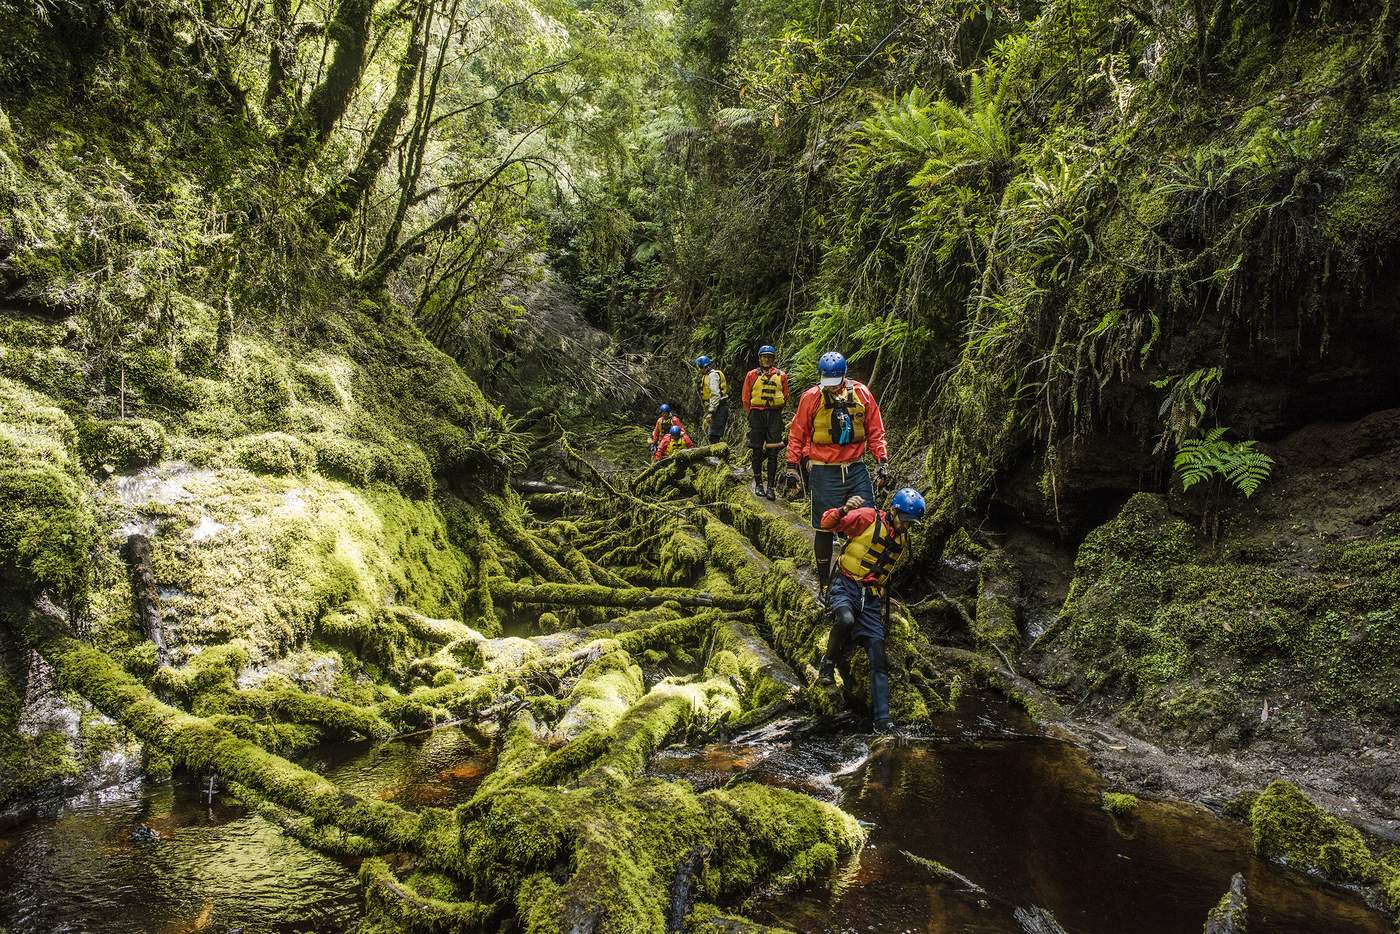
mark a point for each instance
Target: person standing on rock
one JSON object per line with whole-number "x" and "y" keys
{"x": 714, "y": 398}
{"x": 836, "y": 421}
{"x": 665, "y": 421}
{"x": 675, "y": 439}
{"x": 765, "y": 396}
{"x": 875, "y": 541}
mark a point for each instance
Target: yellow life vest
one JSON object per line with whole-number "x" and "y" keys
{"x": 874, "y": 552}
{"x": 841, "y": 422}
{"x": 767, "y": 390}
{"x": 705, "y": 386}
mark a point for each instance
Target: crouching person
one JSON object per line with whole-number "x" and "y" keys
{"x": 875, "y": 542}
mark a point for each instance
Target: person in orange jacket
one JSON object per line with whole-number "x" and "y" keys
{"x": 765, "y": 396}
{"x": 675, "y": 438}
{"x": 837, "y": 421}
{"x": 664, "y": 422}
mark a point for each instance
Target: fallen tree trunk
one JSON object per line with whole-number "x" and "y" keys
{"x": 598, "y": 595}
{"x": 198, "y": 744}
{"x": 676, "y": 463}
{"x": 540, "y": 487}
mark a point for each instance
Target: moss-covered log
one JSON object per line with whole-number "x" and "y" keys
{"x": 596, "y": 595}
{"x": 197, "y": 744}
{"x": 668, "y": 468}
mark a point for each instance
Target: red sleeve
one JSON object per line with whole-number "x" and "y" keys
{"x": 685, "y": 436}
{"x": 800, "y": 431}
{"x": 748, "y": 388}
{"x": 874, "y": 427}
{"x": 851, "y": 524}
{"x": 656, "y": 432}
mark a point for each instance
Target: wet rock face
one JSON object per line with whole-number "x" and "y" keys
{"x": 1281, "y": 634}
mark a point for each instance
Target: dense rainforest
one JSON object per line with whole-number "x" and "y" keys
{"x": 331, "y": 336}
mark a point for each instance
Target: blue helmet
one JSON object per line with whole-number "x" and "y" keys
{"x": 831, "y": 368}
{"x": 909, "y": 502}
{"x": 767, "y": 349}
{"x": 665, "y": 409}
{"x": 702, "y": 362}
{"x": 676, "y": 433}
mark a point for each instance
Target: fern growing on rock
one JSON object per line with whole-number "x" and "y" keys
{"x": 1238, "y": 463}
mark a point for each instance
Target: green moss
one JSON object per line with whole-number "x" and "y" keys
{"x": 682, "y": 557}
{"x": 1290, "y": 828}
{"x": 47, "y": 528}
{"x": 122, "y": 444}
{"x": 1153, "y": 606}
{"x": 1119, "y": 804}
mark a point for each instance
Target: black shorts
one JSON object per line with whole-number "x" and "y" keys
{"x": 766, "y": 428}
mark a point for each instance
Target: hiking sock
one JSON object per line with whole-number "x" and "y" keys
{"x": 758, "y": 468}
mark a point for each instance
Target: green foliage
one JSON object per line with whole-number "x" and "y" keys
{"x": 1238, "y": 463}
{"x": 1119, "y": 804}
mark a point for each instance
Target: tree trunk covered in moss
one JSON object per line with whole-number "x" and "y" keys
{"x": 349, "y": 31}
{"x": 598, "y": 595}
{"x": 668, "y": 467}
{"x": 341, "y": 202}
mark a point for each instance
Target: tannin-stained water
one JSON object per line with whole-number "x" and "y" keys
{"x": 1016, "y": 813}
{"x": 214, "y": 867}
{"x": 1020, "y": 816}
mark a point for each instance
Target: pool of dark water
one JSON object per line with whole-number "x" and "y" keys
{"x": 1019, "y": 815}
{"x": 213, "y": 867}
{"x": 1016, "y": 813}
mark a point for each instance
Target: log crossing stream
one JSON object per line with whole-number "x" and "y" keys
{"x": 1013, "y": 813}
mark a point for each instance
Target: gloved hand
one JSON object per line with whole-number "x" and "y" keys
{"x": 882, "y": 475}
{"x": 652, "y": 449}
{"x": 855, "y": 502}
{"x": 794, "y": 481}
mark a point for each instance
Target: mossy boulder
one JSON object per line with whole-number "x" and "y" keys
{"x": 1289, "y": 828}
{"x": 122, "y": 444}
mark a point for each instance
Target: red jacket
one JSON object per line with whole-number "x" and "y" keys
{"x": 662, "y": 427}
{"x": 753, "y": 377}
{"x": 801, "y": 445}
{"x": 849, "y": 525}
{"x": 665, "y": 445}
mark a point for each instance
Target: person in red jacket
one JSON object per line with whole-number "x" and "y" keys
{"x": 765, "y": 396}
{"x": 875, "y": 541}
{"x": 665, "y": 420}
{"x": 837, "y": 420}
{"x": 676, "y": 439}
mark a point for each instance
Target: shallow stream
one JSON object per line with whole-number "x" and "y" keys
{"x": 1016, "y": 813}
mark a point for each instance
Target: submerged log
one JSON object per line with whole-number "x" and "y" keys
{"x": 1035, "y": 920}
{"x": 598, "y": 595}
{"x": 1231, "y": 913}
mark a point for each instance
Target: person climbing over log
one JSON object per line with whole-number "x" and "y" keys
{"x": 714, "y": 397}
{"x": 875, "y": 541}
{"x": 665, "y": 421}
{"x": 836, "y": 421}
{"x": 674, "y": 440}
{"x": 764, "y": 397}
